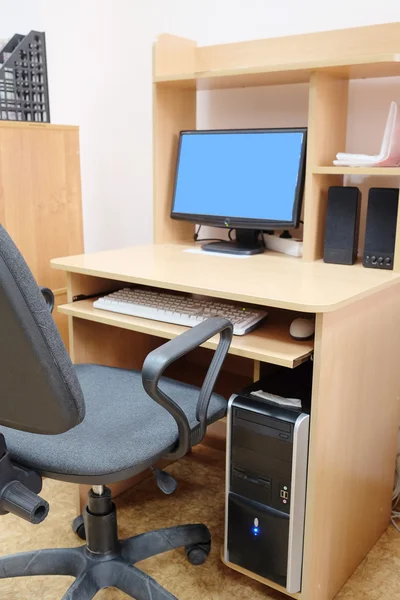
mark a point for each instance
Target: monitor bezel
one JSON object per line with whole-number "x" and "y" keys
{"x": 237, "y": 222}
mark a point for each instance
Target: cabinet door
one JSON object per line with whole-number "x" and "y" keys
{"x": 40, "y": 194}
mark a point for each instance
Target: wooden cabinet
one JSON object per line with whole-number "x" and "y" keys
{"x": 40, "y": 198}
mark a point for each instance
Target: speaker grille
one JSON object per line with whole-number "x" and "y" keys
{"x": 341, "y": 231}
{"x": 380, "y": 235}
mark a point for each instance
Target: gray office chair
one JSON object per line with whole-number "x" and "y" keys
{"x": 95, "y": 425}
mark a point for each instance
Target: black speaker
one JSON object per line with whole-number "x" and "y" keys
{"x": 342, "y": 224}
{"x": 380, "y": 234}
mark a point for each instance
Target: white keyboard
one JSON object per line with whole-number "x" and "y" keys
{"x": 180, "y": 309}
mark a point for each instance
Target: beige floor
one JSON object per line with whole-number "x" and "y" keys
{"x": 199, "y": 499}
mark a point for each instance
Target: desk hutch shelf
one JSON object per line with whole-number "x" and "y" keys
{"x": 326, "y": 61}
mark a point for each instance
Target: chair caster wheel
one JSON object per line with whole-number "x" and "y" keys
{"x": 197, "y": 553}
{"x": 78, "y": 527}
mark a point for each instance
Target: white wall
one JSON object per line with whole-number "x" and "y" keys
{"x": 99, "y": 60}
{"x": 99, "y": 55}
{"x": 220, "y": 21}
{"x": 19, "y": 16}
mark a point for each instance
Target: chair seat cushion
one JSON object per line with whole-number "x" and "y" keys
{"x": 124, "y": 429}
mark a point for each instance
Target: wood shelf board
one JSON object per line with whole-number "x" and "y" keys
{"x": 270, "y": 343}
{"x": 371, "y": 51}
{"x": 269, "y": 279}
{"x": 387, "y": 65}
{"x": 30, "y": 125}
{"x": 258, "y": 578}
{"x": 349, "y": 44}
{"x": 371, "y": 171}
{"x": 233, "y": 78}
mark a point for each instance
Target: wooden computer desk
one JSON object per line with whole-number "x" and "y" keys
{"x": 355, "y": 401}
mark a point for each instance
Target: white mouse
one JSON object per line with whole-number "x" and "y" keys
{"x": 302, "y": 329}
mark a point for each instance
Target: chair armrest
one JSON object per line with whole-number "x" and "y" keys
{"x": 158, "y": 360}
{"x": 48, "y": 296}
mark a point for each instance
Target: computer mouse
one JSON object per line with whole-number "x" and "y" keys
{"x": 302, "y": 328}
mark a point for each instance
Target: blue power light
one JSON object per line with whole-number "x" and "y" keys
{"x": 256, "y": 530}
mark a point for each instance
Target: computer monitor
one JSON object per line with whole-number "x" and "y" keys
{"x": 251, "y": 180}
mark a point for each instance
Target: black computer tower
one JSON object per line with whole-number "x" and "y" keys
{"x": 267, "y": 456}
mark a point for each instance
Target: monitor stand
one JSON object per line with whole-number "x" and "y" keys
{"x": 247, "y": 242}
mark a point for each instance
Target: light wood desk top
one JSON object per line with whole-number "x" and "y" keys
{"x": 269, "y": 279}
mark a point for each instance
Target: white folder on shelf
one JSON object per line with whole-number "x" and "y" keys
{"x": 389, "y": 155}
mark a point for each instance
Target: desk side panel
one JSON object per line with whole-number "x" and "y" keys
{"x": 327, "y": 124}
{"x": 353, "y": 437}
{"x": 174, "y": 110}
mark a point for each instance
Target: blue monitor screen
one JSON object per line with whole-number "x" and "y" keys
{"x": 240, "y": 174}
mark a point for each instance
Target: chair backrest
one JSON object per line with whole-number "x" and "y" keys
{"x": 39, "y": 390}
